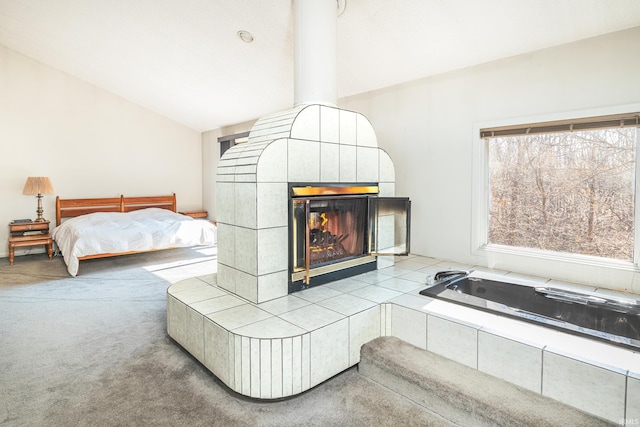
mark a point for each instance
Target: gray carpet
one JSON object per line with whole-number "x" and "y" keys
{"x": 93, "y": 350}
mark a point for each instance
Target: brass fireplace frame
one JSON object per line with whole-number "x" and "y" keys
{"x": 304, "y": 194}
{"x": 301, "y": 269}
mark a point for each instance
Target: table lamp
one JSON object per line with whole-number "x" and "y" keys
{"x": 37, "y": 186}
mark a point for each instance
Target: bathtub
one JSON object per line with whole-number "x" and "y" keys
{"x": 615, "y": 320}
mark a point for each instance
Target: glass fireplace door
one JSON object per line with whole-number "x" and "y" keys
{"x": 390, "y": 226}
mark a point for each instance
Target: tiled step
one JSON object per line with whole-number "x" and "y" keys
{"x": 460, "y": 394}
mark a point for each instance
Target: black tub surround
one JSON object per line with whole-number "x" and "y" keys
{"x": 612, "y": 319}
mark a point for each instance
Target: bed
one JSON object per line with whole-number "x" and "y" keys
{"x": 105, "y": 227}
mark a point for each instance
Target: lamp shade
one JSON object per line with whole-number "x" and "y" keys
{"x": 36, "y": 185}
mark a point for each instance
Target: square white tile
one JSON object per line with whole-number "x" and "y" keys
{"x": 176, "y": 319}
{"x": 329, "y": 124}
{"x": 246, "y": 242}
{"x": 375, "y": 293}
{"x": 453, "y": 340}
{"x": 347, "y": 163}
{"x": 347, "y": 285}
{"x": 399, "y": 284}
{"x": 226, "y": 278}
{"x": 414, "y": 301}
{"x": 513, "y": 361}
{"x": 386, "y": 189}
{"x": 237, "y": 317}
{"x": 409, "y": 325}
{"x": 307, "y": 124}
{"x": 199, "y": 293}
{"x": 311, "y": 317}
{"x": 303, "y": 161}
{"x": 272, "y": 205}
{"x": 373, "y": 277}
{"x": 317, "y": 293}
{"x": 246, "y": 286}
{"x": 329, "y": 162}
{"x": 409, "y": 264}
{"x": 226, "y": 243}
{"x": 587, "y": 387}
{"x": 329, "y": 351}
{"x": 387, "y": 169}
{"x": 194, "y": 334}
{"x": 367, "y": 164}
{"x": 272, "y": 250}
{"x": 395, "y": 271}
{"x": 363, "y": 327}
{"x": 183, "y": 285}
{"x": 270, "y": 328}
{"x": 245, "y": 204}
{"x": 283, "y": 305}
{"x": 348, "y": 120}
{"x": 225, "y": 202}
{"x": 216, "y": 304}
{"x": 273, "y": 163}
{"x": 216, "y": 350}
{"x": 366, "y": 136}
{"x": 272, "y": 286}
{"x": 347, "y": 305}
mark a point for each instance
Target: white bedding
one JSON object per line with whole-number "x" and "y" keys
{"x": 141, "y": 230}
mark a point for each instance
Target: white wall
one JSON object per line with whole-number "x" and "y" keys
{"x": 427, "y": 128}
{"x": 90, "y": 142}
{"x": 210, "y": 156}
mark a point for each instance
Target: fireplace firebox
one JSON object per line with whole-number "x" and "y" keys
{"x": 338, "y": 230}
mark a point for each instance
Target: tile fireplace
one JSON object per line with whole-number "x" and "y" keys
{"x": 262, "y": 181}
{"x": 303, "y": 202}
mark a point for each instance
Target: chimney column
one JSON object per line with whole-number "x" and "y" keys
{"x": 315, "y": 47}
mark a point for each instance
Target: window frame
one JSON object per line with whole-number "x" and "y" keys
{"x": 502, "y": 256}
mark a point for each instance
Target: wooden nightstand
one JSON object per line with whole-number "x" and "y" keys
{"x": 196, "y": 214}
{"x": 29, "y": 234}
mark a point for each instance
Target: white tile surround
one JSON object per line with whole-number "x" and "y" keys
{"x": 287, "y": 345}
{"x": 308, "y": 144}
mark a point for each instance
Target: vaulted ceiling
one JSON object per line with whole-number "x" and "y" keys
{"x": 183, "y": 58}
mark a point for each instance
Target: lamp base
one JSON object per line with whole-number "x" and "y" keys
{"x": 39, "y": 211}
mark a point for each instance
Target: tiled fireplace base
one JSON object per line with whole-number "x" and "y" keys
{"x": 288, "y": 345}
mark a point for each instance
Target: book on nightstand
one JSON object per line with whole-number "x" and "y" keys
{"x": 20, "y": 221}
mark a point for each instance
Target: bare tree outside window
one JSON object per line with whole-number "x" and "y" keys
{"x": 569, "y": 192}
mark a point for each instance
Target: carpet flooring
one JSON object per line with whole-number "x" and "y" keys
{"x": 93, "y": 351}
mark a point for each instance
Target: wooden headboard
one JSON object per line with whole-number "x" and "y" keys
{"x": 69, "y": 208}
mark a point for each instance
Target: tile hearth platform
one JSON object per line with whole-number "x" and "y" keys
{"x": 288, "y": 345}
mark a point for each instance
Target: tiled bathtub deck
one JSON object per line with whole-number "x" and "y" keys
{"x": 286, "y": 346}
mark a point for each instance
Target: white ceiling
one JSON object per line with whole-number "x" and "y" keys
{"x": 183, "y": 59}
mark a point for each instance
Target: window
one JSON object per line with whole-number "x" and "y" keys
{"x": 565, "y": 187}
{"x": 229, "y": 141}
